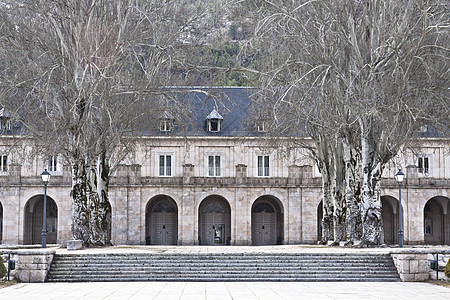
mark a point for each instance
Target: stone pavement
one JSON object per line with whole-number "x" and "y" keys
{"x": 223, "y": 249}
{"x": 229, "y": 290}
{"x": 225, "y": 290}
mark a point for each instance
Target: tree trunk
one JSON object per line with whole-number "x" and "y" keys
{"x": 323, "y": 163}
{"x": 99, "y": 208}
{"x": 371, "y": 199}
{"x": 90, "y": 207}
{"x": 353, "y": 193}
{"x": 327, "y": 205}
{"x": 80, "y": 214}
{"x": 339, "y": 203}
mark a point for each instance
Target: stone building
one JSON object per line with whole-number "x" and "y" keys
{"x": 222, "y": 183}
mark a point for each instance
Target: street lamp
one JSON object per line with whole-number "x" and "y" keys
{"x": 399, "y": 177}
{"x": 45, "y": 178}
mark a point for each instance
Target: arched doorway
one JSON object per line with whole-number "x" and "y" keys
{"x": 34, "y": 211}
{"x": 161, "y": 221}
{"x": 267, "y": 221}
{"x": 214, "y": 221}
{"x": 389, "y": 214}
{"x": 436, "y": 221}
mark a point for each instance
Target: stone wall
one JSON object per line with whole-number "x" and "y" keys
{"x": 32, "y": 265}
{"x": 442, "y": 260}
{"x": 414, "y": 264}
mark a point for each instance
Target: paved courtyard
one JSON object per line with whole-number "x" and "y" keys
{"x": 228, "y": 290}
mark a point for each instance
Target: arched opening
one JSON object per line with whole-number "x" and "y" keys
{"x": 267, "y": 221}
{"x": 214, "y": 221}
{"x": 436, "y": 221}
{"x": 161, "y": 221}
{"x": 389, "y": 214}
{"x": 1, "y": 222}
{"x": 34, "y": 212}
{"x": 319, "y": 220}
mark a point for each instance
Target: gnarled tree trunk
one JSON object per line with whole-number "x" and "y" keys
{"x": 80, "y": 213}
{"x": 371, "y": 199}
{"x": 353, "y": 193}
{"x": 99, "y": 208}
{"x": 91, "y": 213}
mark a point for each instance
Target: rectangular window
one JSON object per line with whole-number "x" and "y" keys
{"x": 3, "y": 163}
{"x": 52, "y": 164}
{"x": 214, "y": 125}
{"x": 263, "y": 165}
{"x": 165, "y": 165}
{"x": 261, "y": 126}
{"x": 5, "y": 124}
{"x": 165, "y": 125}
{"x": 214, "y": 165}
{"x": 423, "y": 165}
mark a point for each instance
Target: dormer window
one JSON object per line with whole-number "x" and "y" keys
{"x": 5, "y": 124}
{"x": 5, "y": 121}
{"x": 165, "y": 125}
{"x": 166, "y": 122}
{"x": 214, "y": 120}
{"x": 261, "y": 126}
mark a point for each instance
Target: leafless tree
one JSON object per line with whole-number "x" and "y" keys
{"x": 380, "y": 68}
{"x": 81, "y": 75}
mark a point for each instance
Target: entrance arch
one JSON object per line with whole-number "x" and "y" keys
{"x": 267, "y": 221}
{"x": 436, "y": 221}
{"x": 161, "y": 221}
{"x": 34, "y": 212}
{"x": 389, "y": 214}
{"x": 214, "y": 221}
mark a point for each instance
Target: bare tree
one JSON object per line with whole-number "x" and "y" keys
{"x": 81, "y": 75}
{"x": 379, "y": 66}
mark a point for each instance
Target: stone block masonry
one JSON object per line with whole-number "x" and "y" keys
{"x": 32, "y": 265}
{"x": 414, "y": 264}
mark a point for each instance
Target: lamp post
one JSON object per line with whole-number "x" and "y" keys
{"x": 399, "y": 177}
{"x": 45, "y": 178}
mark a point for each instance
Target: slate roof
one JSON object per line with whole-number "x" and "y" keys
{"x": 229, "y": 104}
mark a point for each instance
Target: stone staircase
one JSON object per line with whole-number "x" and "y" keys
{"x": 223, "y": 267}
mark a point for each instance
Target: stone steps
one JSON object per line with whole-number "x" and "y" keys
{"x": 223, "y": 267}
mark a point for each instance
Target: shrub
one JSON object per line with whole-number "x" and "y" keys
{"x": 2, "y": 268}
{"x": 447, "y": 269}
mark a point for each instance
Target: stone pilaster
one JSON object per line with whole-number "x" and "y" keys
{"x": 241, "y": 174}
{"x": 188, "y": 174}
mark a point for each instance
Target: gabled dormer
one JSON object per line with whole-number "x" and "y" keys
{"x": 213, "y": 121}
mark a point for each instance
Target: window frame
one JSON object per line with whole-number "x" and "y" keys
{"x": 263, "y": 163}
{"x": 216, "y": 169}
{"x": 424, "y": 166}
{"x": 217, "y": 125}
{"x": 166, "y": 125}
{"x": 164, "y": 170}
{"x": 4, "y": 163}
{"x": 261, "y": 126}
{"x": 53, "y": 164}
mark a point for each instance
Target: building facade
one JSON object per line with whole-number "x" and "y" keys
{"x": 224, "y": 184}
